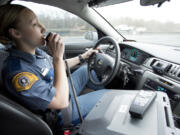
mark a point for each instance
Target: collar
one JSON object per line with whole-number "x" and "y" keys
{"x": 26, "y": 56}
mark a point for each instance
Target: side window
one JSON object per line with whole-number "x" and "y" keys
{"x": 71, "y": 27}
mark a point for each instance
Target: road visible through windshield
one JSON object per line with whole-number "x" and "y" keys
{"x": 171, "y": 39}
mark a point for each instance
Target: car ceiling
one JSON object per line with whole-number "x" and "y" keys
{"x": 70, "y": 3}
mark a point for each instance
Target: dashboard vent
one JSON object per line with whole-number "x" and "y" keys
{"x": 164, "y": 67}
{"x": 153, "y": 61}
{"x": 168, "y": 67}
{"x": 173, "y": 70}
{"x": 179, "y": 75}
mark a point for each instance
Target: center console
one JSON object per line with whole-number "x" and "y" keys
{"x": 110, "y": 116}
{"x": 155, "y": 82}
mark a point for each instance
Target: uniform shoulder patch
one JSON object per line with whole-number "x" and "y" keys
{"x": 24, "y": 81}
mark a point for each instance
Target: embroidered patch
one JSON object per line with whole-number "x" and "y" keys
{"x": 24, "y": 81}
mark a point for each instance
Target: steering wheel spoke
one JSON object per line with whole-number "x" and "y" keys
{"x": 91, "y": 64}
{"x": 104, "y": 77}
{"x": 91, "y": 61}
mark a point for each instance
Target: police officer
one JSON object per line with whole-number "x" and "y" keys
{"x": 33, "y": 77}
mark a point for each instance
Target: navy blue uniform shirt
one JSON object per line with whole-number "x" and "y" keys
{"x": 30, "y": 78}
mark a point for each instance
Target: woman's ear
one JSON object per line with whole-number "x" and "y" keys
{"x": 15, "y": 34}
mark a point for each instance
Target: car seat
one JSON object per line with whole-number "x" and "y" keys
{"x": 14, "y": 118}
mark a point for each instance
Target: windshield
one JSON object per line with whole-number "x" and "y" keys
{"x": 146, "y": 24}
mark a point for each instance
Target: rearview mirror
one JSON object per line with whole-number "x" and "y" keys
{"x": 102, "y": 3}
{"x": 90, "y": 35}
{"x": 152, "y": 2}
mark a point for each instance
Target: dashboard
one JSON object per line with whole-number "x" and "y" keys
{"x": 154, "y": 66}
{"x": 158, "y": 73}
{"x": 133, "y": 55}
{"x": 130, "y": 54}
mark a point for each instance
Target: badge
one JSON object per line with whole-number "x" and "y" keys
{"x": 50, "y": 75}
{"x": 24, "y": 81}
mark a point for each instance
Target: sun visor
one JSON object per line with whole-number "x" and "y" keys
{"x": 103, "y": 3}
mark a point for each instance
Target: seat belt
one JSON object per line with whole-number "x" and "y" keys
{"x": 67, "y": 112}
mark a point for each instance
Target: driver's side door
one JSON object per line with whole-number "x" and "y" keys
{"x": 75, "y": 48}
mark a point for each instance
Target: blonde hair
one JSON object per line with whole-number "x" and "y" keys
{"x": 9, "y": 18}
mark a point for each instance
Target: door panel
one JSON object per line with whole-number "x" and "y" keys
{"x": 75, "y": 49}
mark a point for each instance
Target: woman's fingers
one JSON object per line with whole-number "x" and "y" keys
{"x": 56, "y": 39}
{"x": 92, "y": 51}
{"x": 89, "y": 53}
{"x": 56, "y": 45}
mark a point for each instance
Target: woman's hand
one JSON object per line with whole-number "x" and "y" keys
{"x": 61, "y": 97}
{"x": 89, "y": 53}
{"x": 56, "y": 46}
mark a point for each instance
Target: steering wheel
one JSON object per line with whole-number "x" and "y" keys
{"x": 104, "y": 65}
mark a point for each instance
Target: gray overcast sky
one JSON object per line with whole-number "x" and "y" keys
{"x": 169, "y": 11}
